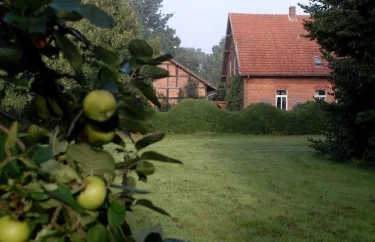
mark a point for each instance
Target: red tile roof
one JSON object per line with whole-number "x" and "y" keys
{"x": 273, "y": 45}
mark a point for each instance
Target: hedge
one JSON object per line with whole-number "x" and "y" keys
{"x": 200, "y": 116}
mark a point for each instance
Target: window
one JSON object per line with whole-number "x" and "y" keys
{"x": 282, "y": 99}
{"x": 230, "y": 68}
{"x": 321, "y": 95}
{"x": 318, "y": 61}
{"x": 234, "y": 66}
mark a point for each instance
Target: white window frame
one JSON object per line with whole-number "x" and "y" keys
{"x": 234, "y": 66}
{"x": 319, "y": 96}
{"x": 282, "y": 96}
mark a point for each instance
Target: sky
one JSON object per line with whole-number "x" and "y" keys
{"x": 202, "y": 23}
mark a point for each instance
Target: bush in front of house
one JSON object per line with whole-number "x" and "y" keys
{"x": 199, "y": 116}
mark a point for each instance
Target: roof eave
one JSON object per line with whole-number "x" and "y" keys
{"x": 193, "y": 73}
{"x": 285, "y": 75}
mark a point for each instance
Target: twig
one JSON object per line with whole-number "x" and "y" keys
{"x": 54, "y": 219}
{"x": 77, "y": 226}
{"x": 19, "y": 141}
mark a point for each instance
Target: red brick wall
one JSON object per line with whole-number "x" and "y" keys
{"x": 178, "y": 78}
{"x": 299, "y": 90}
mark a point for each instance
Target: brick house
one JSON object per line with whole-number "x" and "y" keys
{"x": 178, "y": 77}
{"x": 277, "y": 65}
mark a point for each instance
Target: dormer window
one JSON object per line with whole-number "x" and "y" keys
{"x": 318, "y": 61}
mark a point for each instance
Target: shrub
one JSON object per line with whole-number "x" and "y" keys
{"x": 196, "y": 116}
{"x": 235, "y": 95}
{"x": 220, "y": 95}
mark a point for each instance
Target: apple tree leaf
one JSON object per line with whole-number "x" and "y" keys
{"x": 92, "y": 161}
{"x": 97, "y": 233}
{"x": 149, "y": 140}
{"x": 116, "y": 214}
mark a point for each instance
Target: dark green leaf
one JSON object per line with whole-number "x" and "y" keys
{"x": 110, "y": 86}
{"x": 108, "y": 56}
{"x": 145, "y": 168}
{"x": 143, "y": 60}
{"x": 117, "y": 235}
{"x": 155, "y": 72}
{"x": 10, "y": 53}
{"x": 134, "y": 126}
{"x": 63, "y": 195}
{"x": 34, "y": 25}
{"x": 140, "y": 48}
{"x": 96, "y": 16}
{"x": 161, "y": 59}
{"x": 148, "y": 91}
{"x": 97, "y": 233}
{"x": 37, "y": 4}
{"x": 130, "y": 189}
{"x": 106, "y": 74}
{"x": 3, "y": 139}
{"x": 118, "y": 140}
{"x": 142, "y": 177}
{"x": 43, "y": 219}
{"x": 148, "y": 140}
{"x": 70, "y": 52}
{"x": 40, "y": 196}
{"x": 151, "y": 155}
{"x": 68, "y": 5}
{"x": 69, "y": 16}
{"x": 116, "y": 214}
{"x": 13, "y": 169}
{"x": 41, "y": 155}
{"x": 148, "y": 204}
{"x": 130, "y": 114}
{"x": 92, "y": 161}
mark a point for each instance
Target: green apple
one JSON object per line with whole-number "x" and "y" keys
{"x": 99, "y": 105}
{"x": 13, "y": 231}
{"x": 94, "y": 194}
{"x": 94, "y": 135}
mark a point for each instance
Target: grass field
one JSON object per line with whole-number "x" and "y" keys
{"x": 243, "y": 188}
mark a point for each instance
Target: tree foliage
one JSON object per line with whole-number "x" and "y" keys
{"x": 211, "y": 68}
{"x": 235, "y": 95}
{"x": 155, "y": 24}
{"x": 221, "y": 93}
{"x": 190, "y": 90}
{"x": 345, "y": 31}
{"x": 48, "y": 169}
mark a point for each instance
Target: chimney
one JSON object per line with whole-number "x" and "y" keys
{"x": 292, "y": 14}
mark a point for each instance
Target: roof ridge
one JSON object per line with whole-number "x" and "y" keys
{"x": 266, "y": 14}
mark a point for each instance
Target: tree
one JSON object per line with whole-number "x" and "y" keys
{"x": 57, "y": 177}
{"x": 345, "y": 31}
{"x": 117, "y": 39}
{"x": 192, "y": 58}
{"x": 211, "y": 68}
{"x": 154, "y": 24}
{"x": 190, "y": 90}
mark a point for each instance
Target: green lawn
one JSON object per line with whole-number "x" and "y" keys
{"x": 257, "y": 188}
